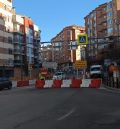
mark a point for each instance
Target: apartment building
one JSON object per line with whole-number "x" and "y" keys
{"x": 26, "y": 38}
{"x": 6, "y": 45}
{"x": 20, "y": 39}
{"x": 46, "y": 53}
{"x": 101, "y": 24}
{"x": 37, "y": 46}
{"x": 61, "y": 45}
{"x": 115, "y": 12}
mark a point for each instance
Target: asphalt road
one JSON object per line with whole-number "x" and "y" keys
{"x": 85, "y": 108}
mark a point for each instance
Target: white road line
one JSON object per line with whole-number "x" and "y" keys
{"x": 66, "y": 115}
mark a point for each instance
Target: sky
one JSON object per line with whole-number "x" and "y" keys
{"x": 51, "y": 16}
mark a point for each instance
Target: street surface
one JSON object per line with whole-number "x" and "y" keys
{"x": 83, "y": 108}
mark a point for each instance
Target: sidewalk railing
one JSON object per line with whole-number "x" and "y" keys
{"x": 112, "y": 82}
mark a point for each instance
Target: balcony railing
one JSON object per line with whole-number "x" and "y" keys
{"x": 17, "y": 62}
{"x": 16, "y": 40}
{"x": 17, "y": 51}
{"x": 18, "y": 31}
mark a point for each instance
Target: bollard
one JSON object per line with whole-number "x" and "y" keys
{"x": 115, "y": 78}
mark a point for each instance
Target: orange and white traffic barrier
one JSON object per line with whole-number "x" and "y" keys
{"x": 76, "y": 83}
{"x": 70, "y": 83}
{"x": 57, "y": 83}
{"x": 31, "y": 82}
{"x": 66, "y": 83}
{"x": 22, "y": 83}
{"x": 86, "y": 82}
{"x": 39, "y": 84}
{"x": 14, "y": 84}
{"x": 95, "y": 83}
{"x": 48, "y": 83}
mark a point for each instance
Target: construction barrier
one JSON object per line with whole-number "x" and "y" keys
{"x": 48, "y": 83}
{"x": 66, "y": 83}
{"x": 14, "y": 84}
{"x": 22, "y": 83}
{"x": 76, "y": 83}
{"x": 71, "y": 83}
{"x": 32, "y": 82}
{"x": 57, "y": 83}
{"x": 95, "y": 83}
{"x": 86, "y": 82}
{"x": 39, "y": 84}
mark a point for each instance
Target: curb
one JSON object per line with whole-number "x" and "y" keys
{"x": 111, "y": 88}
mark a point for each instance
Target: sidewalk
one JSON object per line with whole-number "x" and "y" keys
{"x": 111, "y": 88}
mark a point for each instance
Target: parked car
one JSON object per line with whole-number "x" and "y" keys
{"x": 5, "y": 83}
{"x": 96, "y": 71}
{"x": 59, "y": 76}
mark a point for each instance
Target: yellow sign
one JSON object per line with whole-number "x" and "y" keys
{"x": 79, "y": 64}
{"x": 82, "y": 39}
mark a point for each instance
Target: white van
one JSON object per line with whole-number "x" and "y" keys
{"x": 59, "y": 76}
{"x": 96, "y": 71}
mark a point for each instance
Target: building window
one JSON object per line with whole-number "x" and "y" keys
{"x": 2, "y": 27}
{"x": 109, "y": 14}
{"x": 109, "y": 22}
{"x": 1, "y": 39}
{"x": 10, "y": 51}
{"x": 21, "y": 39}
{"x": 30, "y": 40}
{"x": 110, "y": 30}
{"x": 68, "y": 34}
{"x": 15, "y": 27}
{"x": 105, "y": 24}
{"x": 9, "y": 39}
{"x": 105, "y": 9}
{"x": 109, "y": 6}
{"x": 31, "y": 32}
{"x": 105, "y": 16}
{"x": 4, "y": 7}
{"x": 27, "y": 39}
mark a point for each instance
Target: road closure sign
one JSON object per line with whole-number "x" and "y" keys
{"x": 80, "y": 64}
{"x": 82, "y": 39}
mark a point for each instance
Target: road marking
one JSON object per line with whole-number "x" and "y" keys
{"x": 66, "y": 115}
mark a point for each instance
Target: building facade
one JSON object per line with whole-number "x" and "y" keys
{"x": 6, "y": 43}
{"x": 101, "y": 25}
{"x": 46, "y": 53}
{"x": 37, "y": 61}
{"x": 26, "y": 44}
{"x": 62, "y": 53}
{"x": 20, "y": 40}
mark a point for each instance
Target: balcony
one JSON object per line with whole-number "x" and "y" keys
{"x": 18, "y": 31}
{"x": 36, "y": 56}
{"x": 17, "y": 63}
{"x": 101, "y": 21}
{"x": 17, "y": 41}
{"x": 102, "y": 28}
{"x": 17, "y": 51}
{"x": 102, "y": 14}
